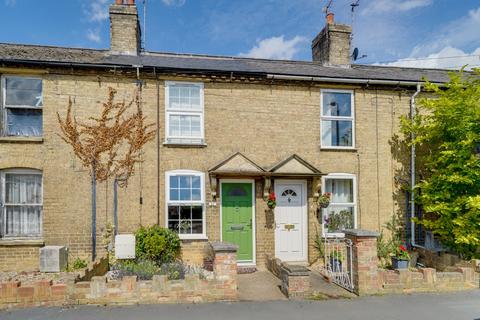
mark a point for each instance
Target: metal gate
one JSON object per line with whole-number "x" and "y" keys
{"x": 338, "y": 262}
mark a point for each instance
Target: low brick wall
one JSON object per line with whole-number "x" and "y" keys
{"x": 427, "y": 279}
{"x": 369, "y": 279}
{"x": 295, "y": 279}
{"x": 221, "y": 286}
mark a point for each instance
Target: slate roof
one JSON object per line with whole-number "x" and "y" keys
{"x": 12, "y": 53}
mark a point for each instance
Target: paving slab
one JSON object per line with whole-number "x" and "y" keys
{"x": 259, "y": 286}
{"x": 321, "y": 288}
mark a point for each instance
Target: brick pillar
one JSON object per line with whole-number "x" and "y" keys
{"x": 224, "y": 260}
{"x": 365, "y": 261}
{"x": 225, "y": 270}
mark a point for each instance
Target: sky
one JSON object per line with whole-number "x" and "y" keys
{"x": 416, "y": 33}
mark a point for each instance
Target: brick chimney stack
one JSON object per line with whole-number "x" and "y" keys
{"x": 125, "y": 33}
{"x": 331, "y": 46}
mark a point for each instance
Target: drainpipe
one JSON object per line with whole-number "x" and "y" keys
{"x": 412, "y": 166}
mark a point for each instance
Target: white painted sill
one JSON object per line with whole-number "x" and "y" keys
{"x": 12, "y": 242}
{"x": 13, "y": 139}
{"x": 192, "y": 237}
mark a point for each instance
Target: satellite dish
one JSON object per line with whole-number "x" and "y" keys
{"x": 355, "y": 54}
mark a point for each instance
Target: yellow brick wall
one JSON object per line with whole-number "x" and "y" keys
{"x": 266, "y": 122}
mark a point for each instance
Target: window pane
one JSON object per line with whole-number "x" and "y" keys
{"x": 184, "y": 97}
{"x": 185, "y": 213}
{"x": 197, "y": 227}
{"x": 186, "y": 219}
{"x": 195, "y": 182}
{"x": 337, "y": 104}
{"x": 341, "y": 190}
{"x": 197, "y": 212}
{"x": 173, "y": 213}
{"x": 23, "y": 220}
{"x": 174, "y": 196}
{"x": 23, "y": 189}
{"x": 174, "y": 182}
{"x": 24, "y": 122}
{"x": 184, "y": 126}
{"x": 185, "y": 181}
{"x": 338, "y": 218}
{"x": 23, "y": 92}
{"x": 336, "y": 133}
{"x": 196, "y": 195}
{"x": 185, "y": 194}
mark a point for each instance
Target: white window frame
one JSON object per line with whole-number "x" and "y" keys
{"x": 182, "y": 112}
{"x": 3, "y": 206}
{"x": 4, "y": 106}
{"x": 354, "y": 203}
{"x": 201, "y": 202}
{"x": 338, "y": 118}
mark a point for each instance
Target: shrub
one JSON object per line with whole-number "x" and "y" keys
{"x": 77, "y": 265}
{"x": 157, "y": 244}
{"x": 146, "y": 269}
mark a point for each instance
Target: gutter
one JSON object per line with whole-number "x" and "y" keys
{"x": 412, "y": 165}
{"x": 346, "y": 80}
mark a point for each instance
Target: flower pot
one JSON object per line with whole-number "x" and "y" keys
{"x": 399, "y": 263}
{"x": 335, "y": 264}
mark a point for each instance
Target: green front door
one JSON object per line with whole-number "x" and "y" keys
{"x": 237, "y": 215}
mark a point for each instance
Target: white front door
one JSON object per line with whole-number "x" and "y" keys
{"x": 291, "y": 220}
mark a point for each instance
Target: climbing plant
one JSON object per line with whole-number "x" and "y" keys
{"x": 110, "y": 144}
{"x": 447, "y": 135}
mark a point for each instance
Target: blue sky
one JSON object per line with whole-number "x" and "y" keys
{"x": 387, "y": 31}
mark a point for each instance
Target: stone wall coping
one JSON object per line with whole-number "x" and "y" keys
{"x": 223, "y": 247}
{"x": 361, "y": 233}
{"x": 295, "y": 270}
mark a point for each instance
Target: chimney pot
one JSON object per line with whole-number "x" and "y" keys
{"x": 125, "y": 2}
{"x": 330, "y": 18}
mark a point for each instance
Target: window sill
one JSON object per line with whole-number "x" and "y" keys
{"x": 16, "y": 242}
{"x": 184, "y": 145}
{"x": 338, "y": 149}
{"x": 21, "y": 139}
{"x": 196, "y": 237}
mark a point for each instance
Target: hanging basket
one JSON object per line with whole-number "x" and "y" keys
{"x": 272, "y": 200}
{"x": 324, "y": 200}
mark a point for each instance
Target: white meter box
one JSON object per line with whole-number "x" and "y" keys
{"x": 125, "y": 246}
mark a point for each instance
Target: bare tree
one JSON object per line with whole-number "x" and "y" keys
{"x": 109, "y": 145}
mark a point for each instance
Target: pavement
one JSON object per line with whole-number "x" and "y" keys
{"x": 259, "y": 286}
{"x": 452, "y": 306}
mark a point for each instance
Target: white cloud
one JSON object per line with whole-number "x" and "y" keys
{"x": 275, "y": 48}
{"x": 460, "y": 33}
{"x": 98, "y": 10}
{"x": 176, "y": 3}
{"x": 447, "y": 58}
{"x": 10, "y": 3}
{"x": 94, "y": 35}
{"x": 382, "y": 6}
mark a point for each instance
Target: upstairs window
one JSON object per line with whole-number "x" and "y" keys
{"x": 184, "y": 113}
{"x": 337, "y": 119}
{"x": 185, "y": 203}
{"x": 21, "y": 203}
{"x": 22, "y": 103}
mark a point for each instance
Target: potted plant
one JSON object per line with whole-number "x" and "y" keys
{"x": 272, "y": 200}
{"x": 400, "y": 258}
{"x": 324, "y": 200}
{"x": 336, "y": 258}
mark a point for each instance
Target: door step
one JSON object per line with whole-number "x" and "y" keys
{"x": 246, "y": 269}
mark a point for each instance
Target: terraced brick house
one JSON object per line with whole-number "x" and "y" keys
{"x": 229, "y": 132}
